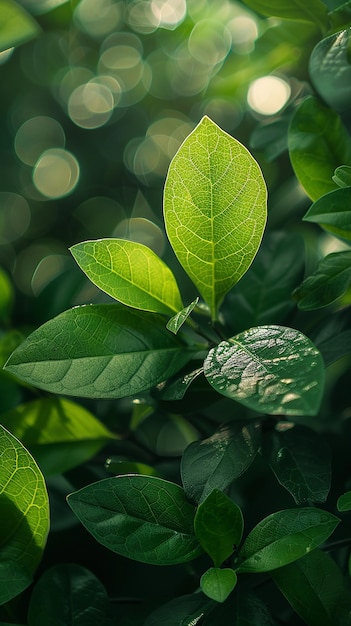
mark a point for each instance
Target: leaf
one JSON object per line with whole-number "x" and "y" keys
{"x": 217, "y": 583}
{"x": 330, "y": 70}
{"x": 300, "y": 459}
{"x": 16, "y": 25}
{"x": 119, "y": 468}
{"x": 344, "y": 502}
{"x": 182, "y": 611}
{"x": 318, "y": 144}
{"x": 214, "y": 210}
{"x": 243, "y": 608}
{"x": 141, "y": 517}
{"x": 315, "y": 588}
{"x": 330, "y": 281}
{"x": 314, "y": 11}
{"x": 333, "y": 212}
{"x": 264, "y": 293}
{"x": 218, "y": 526}
{"x": 271, "y": 369}
{"x": 342, "y": 176}
{"x": 59, "y": 433}
{"x": 176, "y": 389}
{"x": 177, "y": 321}
{"x": 216, "y": 462}
{"x": 24, "y": 516}
{"x": 284, "y": 537}
{"x": 334, "y": 348}
{"x": 129, "y": 272}
{"x": 69, "y": 594}
{"x": 99, "y": 351}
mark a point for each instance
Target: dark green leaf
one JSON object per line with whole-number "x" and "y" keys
{"x": 177, "y": 321}
{"x": 216, "y": 462}
{"x": 271, "y": 369}
{"x": 315, "y": 588}
{"x": 182, "y": 611}
{"x": 318, "y": 144}
{"x": 16, "y": 25}
{"x": 217, "y": 583}
{"x": 330, "y": 70}
{"x": 218, "y": 526}
{"x": 333, "y": 212}
{"x": 271, "y": 137}
{"x": 14, "y": 578}
{"x": 68, "y": 595}
{"x": 175, "y": 389}
{"x": 329, "y": 282}
{"x": 335, "y": 347}
{"x": 243, "y": 608}
{"x": 314, "y": 11}
{"x": 215, "y": 210}
{"x": 344, "y": 502}
{"x": 301, "y": 462}
{"x": 342, "y": 176}
{"x": 284, "y": 537}
{"x": 99, "y": 351}
{"x": 141, "y": 517}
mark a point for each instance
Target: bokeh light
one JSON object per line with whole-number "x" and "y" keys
{"x": 143, "y": 231}
{"x": 98, "y": 17}
{"x": 37, "y": 135}
{"x": 244, "y": 32}
{"x": 56, "y": 173}
{"x": 91, "y": 105}
{"x": 268, "y": 95}
{"x": 14, "y": 217}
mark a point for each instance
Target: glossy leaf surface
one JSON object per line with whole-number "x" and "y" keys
{"x": 333, "y": 212}
{"x": 99, "y": 351}
{"x": 177, "y": 321}
{"x": 284, "y": 537}
{"x": 16, "y": 25}
{"x": 214, "y": 210}
{"x": 214, "y": 463}
{"x": 218, "y": 583}
{"x": 129, "y": 272}
{"x": 141, "y": 517}
{"x": 271, "y": 369}
{"x": 318, "y": 144}
{"x": 330, "y": 70}
{"x": 218, "y": 526}
{"x": 329, "y": 282}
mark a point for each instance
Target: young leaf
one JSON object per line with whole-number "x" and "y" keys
{"x": 318, "y": 144}
{"x": 24, "y": 515}
{"x": 216, "y": 462}
{"x": 129, "y": 272}
{"x": 329, "y": 282}
{"x": 315, "y": 588}
{"x": 217, "y": 583}
{"x": 69, "y": 594}
{"x": 59, "y": 433}
{"x": 218, "y": 525}
{"x": 16, "y": 25}
{"x": 333, "y": 212}
{"x": 300, "y": 459}
{"x": 314, "y": 11}
{"x": 284, "y": 537}
{"x": 344, "y": 502}
{"x": 214, "y": 209}
{"x": 271, "y": 369}
{"x": 99, "y": 351}
{"x": 141, "y": 517}
{"x": 182, "y": 611}
{"x": 177, "y": 321}
{"x": 342, "y": 176}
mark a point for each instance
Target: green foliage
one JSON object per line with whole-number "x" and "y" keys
{"x": 314, "y": 11}
{"x": 217, "y": 583}
{"x": 16, "y": 25}
{"x": 329, "y": 282}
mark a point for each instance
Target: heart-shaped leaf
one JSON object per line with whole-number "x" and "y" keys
{"x": 217, "y": 583}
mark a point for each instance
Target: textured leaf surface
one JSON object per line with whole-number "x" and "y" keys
{"x": 177, "y": 321}
{"x": 16, "y": 25}
{"x": 215, "y": 210}
{"x": 218, "y": 526}
{"x": 330, "y": 70}
{"x": 129, "y": 272}
{"x": 216, "y": 462}
{"x": 284, "y": 537}
{"x": 68, "y": 594}
{"x": 333, "y": 212}
{"x": 318, "y": 144}
{"x": 315, "y": 588}
{"x": 58, "y": 432}
{"x": 330, "y": 281}
{"x": 314, "y": 11}
{"x": 217, "y": 583}
{"x": 271, "y": 369}
{"x": 24, "y": 514}
{"x": 99, "y": 351}
{"x": 141, "y": 517}
{"x": 301, "y": 462}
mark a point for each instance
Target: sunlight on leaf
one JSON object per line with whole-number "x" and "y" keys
{"x": 177, "y": 321}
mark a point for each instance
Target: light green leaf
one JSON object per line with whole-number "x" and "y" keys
{"x": 342, "y": 176}
{"x": 318, "y": 144}
{"x": 141, "y": 517}
{"x": 344, "y": 502}
{"x": 99, "y": 351}
{"x": 333, "y": 212}
{"x": 214, "y": 209}
{"x": 68, "y": 594}
{"x": 59, "y": 433}
{"x": 315, "y": 588}
{"x": 6, "y": 295}
{"x": 217, "y": 583}
{"x": 271, "y": 369}
{"x": 16, "y": 25}
{"x": 313, "y": 11}
{"x": 284, "y": 537}
{"x": 129, "y": 272}
{"x": 177, "y": 321}
{"x": 218, "y": 526}
{"x": 24, "y": 515}
{"x": 330, "y": 281}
